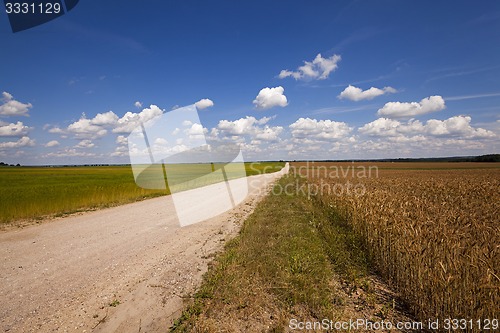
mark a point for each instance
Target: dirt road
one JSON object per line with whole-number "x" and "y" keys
{"x": 122, "y": 269}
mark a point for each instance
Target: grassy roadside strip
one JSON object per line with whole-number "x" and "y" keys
{"x": 293, "y": 258}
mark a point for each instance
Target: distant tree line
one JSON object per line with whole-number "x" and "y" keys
{"x": 482, "y": 158}
{"x": 486, "y": 158}
{"x": 2, "y": 164}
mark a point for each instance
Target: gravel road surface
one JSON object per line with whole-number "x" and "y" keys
{"x": 122, "y": 269}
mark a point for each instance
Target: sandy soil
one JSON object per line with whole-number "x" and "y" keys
{"x": 122, "y": 269}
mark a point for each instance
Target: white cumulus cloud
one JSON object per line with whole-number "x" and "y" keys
{"x": 196, "y": 130}
{"x": 269, "y": 133}
{"x": 204, "y": 103}
{"x": 406, "y": 110}
{"x": 457, "y": 126}
{"x": 92, "y": 128}
{"x": 318, "y": 69}
{"x": 306, "y": 128}
{"x": 241, "y": 126}
{"x": 11, "y": 107}
{"x": 357, "y": 94}
{"x": 98, "y": 126}
{"x": 381, "y": 127}
{"x": 56, "y": 130}
{"x": 121, "y": 140}
{"x": 103, "y": 119}
{"x": 22, "y": 142}
{"x": 86, "y": 129}
{"x": 270, "y": 97}
{"x": 85, "y": 144}
{"x": 131, "y": 120}
{"x": 18, "y": 129}
{"x": 53, "y": 143}
{"x": 248, "y": 126}
{"x": 161, "y": 142}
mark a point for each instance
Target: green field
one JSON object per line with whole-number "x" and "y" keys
{"x": 28, "y": 193}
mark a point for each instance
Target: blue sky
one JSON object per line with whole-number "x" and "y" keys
{"x": 287, "y": 79}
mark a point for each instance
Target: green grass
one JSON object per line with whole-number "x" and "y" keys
{"x": 286, "y": 263}
{"x": 34, "y": 192}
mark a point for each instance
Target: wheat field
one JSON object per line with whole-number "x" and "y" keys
{"x": 432, "y": 229}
